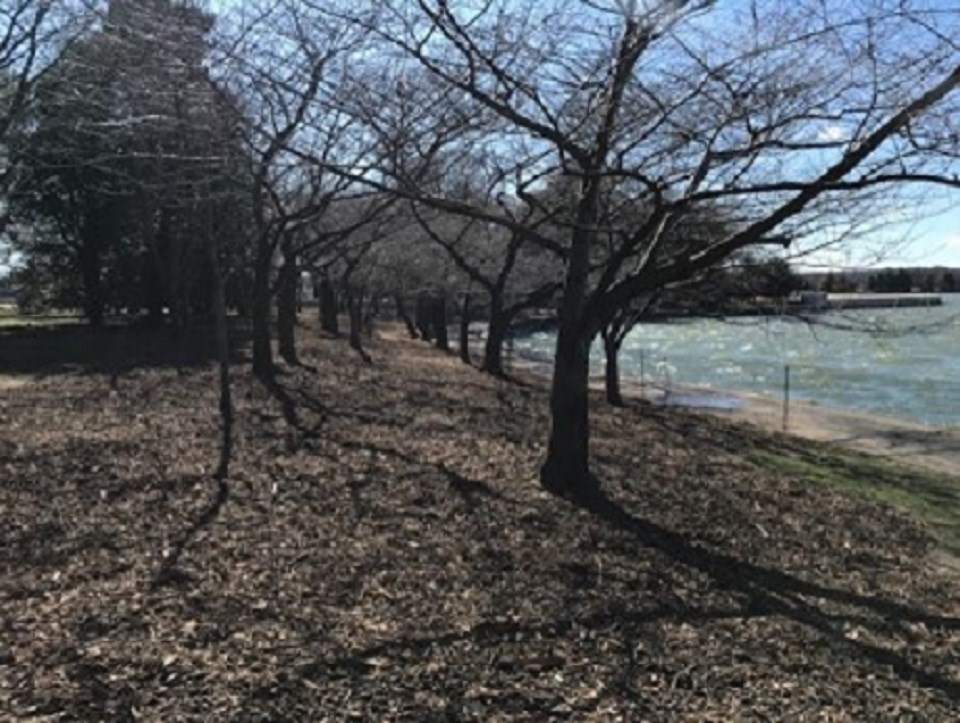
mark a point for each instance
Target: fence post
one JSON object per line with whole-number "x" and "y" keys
{"x": 786, "y": 396}
{"x": 641, "y": 373}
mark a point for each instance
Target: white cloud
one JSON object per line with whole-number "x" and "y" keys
{"x": 832, "y": 134}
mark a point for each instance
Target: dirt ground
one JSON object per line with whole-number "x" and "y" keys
{"x": 385, "y": 553}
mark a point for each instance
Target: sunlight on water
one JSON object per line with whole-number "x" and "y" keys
{"x": 913, "y": 375}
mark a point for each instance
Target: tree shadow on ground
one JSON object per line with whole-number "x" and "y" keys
{"x": 113, "y": 350}
{"x": 293, "y": 399}
{"x": 503, "y": 644}
{"x": 472, "y": 492}
{"x": 168, "y": 571}
{"x": 773, "y": 592}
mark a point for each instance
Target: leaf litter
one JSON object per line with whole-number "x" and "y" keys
{"x": 398, "y": 561}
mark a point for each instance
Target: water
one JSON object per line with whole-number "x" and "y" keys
{"x": 900, "y": 373}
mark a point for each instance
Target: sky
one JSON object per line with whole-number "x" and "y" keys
{"x": 934, "y": 241}
{"x": 937, "y": 243}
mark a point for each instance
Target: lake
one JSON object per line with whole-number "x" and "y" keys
{"x": 907, "y": 367}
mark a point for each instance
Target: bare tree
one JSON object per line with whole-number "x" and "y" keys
{"x": 288, "y": 69}
{"x": 783, "y": 115}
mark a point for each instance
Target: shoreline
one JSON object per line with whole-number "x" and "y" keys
{"x": 935, "y": 449}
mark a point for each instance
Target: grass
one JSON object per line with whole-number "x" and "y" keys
{"x": 933, "y": 498}
{"x": 11, "y": 318}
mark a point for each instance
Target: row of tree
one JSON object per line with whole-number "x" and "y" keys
{"x": 885, "y": 281}
{"x": 903, "y": 281}
{"x": 590, "y": 156}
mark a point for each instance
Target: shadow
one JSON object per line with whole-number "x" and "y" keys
{"x": 290, "y": 400}
{"x": 491, "y": 633}
{"x": 772, "y": 592}
{"x": 168, "y": 572}
{"x": 114, "y": 350}
{"x": 470, "y": 490}
{"x": 503, "y": 650}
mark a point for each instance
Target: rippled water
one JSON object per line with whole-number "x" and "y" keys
{"x": 909, "y": 374}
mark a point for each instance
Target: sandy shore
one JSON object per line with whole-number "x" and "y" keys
{"x": 933, "y": 448}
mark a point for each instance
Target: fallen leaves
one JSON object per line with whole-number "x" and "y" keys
{"x": 402, "y": 563}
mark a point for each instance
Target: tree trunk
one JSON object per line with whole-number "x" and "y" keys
{"x": 611, "y": 351}
{"x": 328, "y": 307}
{"x": 465, "y": 329}
{"x": 405, "y": 317}
{"x": 422, "y": 318}
{"x": 287, "y": 307}
{"x": 92, "y": 284}
{"x": 355, "y": 312}
{"x": 176, "y": 288}
{"x": 497, "y": 329}
{"x": 566, "y": 469}
{"x": 439, "y": 317}
{"x": 263, "y": 366}
{"x": 152, "y": 290}
{"x": 158, "y": 287}
{"x": 223, "y": 356}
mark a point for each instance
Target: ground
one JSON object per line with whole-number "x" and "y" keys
{"x": 385, "y": 553}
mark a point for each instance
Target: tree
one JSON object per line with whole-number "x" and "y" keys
{"x": 287, "y": 74}
{"x": 948, "y": 283}
{"x": 32, "y": 35}
{"x": 676, "y": 115}
{"x": 123, "y": 131}
{"x": 488, "y": 257}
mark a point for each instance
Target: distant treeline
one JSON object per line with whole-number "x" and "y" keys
{"x": 889, "y": 280}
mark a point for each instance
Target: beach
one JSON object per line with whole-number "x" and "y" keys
{"x": 933, "y": 448}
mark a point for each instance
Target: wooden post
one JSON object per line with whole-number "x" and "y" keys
{"x": 786, "y": 396}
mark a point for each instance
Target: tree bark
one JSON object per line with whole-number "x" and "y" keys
{"x": 611, "y": 351}
{"x": 422, "y": 318}
{"x": 328, "y": 307}
{"x": 566, "y": 470}
{"x": 152, "y": 289}
{"x": 92, "y": 284}
{"x": 263, "y": 366}
{"x": 439, "y": 319}
{"x": 465, "y": 329}
{"x": 223, "y": 357}
{"x": 176, "y": 288}
{"x": 355, "y": 311}
{"x": 405, "y": 317}
{"x": 497, "y": 329}
{"x": 289, "y": 275}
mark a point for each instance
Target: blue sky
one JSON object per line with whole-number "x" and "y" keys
{"x": 937, "y": 244}
{"x": 934, "y": 241}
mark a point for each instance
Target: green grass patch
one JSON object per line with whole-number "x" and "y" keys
{"x": 14, "y": 320}
{"x": 932, "y": 497}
